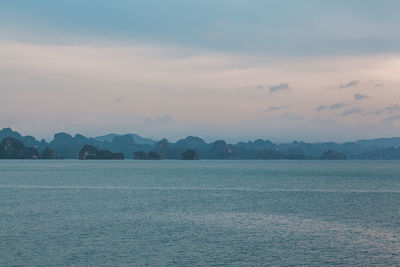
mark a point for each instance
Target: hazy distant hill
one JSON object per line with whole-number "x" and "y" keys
{"x": 380, "y": 143}
{"x": 138, "y": 139}
{"x": 27, "y": 140}
{"x": 67, "y": 146}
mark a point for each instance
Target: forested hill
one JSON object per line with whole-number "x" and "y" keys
{"x": 68, "y": 147}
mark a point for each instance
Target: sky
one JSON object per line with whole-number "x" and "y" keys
{"x": 284, "y": 70}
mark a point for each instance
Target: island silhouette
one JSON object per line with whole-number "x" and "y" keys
{"x": 133, "y": 146}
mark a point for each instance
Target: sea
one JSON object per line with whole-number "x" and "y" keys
{"x": 199, "y": 213}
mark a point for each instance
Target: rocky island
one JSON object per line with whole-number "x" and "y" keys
{"x": 332, "y": 155}
{"x": 66, "y": 146}
{"x": 12, "y": 148}
{"x": 190, "y": 155}
{"x": 48, "y": 153}
{"x": 91, "y": 152}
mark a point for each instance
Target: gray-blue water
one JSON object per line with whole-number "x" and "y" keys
{"x": 199, "y": 213}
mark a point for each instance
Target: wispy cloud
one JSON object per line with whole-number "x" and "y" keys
{"x": 292, "y": 116}
{"x": 337, "y": 105}
{"x": 374, "y": 83}
{"x": 349, "y": 84}
{"x": 351, "y": 112}
{"x": 393, "y": 118}
{"x": 279, "y": 87}
{"x": 390, "y": 110}
{"x": 361, "y": 97}
{"x": 274, "y": 108}
{"x": 181, "y": 86}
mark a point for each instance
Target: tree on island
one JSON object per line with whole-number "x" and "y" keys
{"x": 190, "y": 155}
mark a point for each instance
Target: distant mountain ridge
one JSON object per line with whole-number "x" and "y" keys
{"x": 27, "y": 140}
{"x": 138, "y": 139}
{"x": 66, "y": 146}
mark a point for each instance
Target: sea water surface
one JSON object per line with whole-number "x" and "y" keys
{"x": 161, "y": 213}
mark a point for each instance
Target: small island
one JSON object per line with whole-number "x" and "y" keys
{"x": 332, "y": 155}
{"x": 12, "y": 148}
{"x": 48, "y": 153}
{"x": 190, "y": 155}
{"x": 111, "y": 146}
{"x": 90, "y": 152}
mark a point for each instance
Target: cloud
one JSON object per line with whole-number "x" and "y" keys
{"x": 374, "y": 83}
{"x": 59, "y": 83}
{"x": 274, "y": 108}
{"x": 292, "y": 116}
{"x": 340, "y": 22}
{"x": 351, "y": 112}
{"x": 390, "y": 110}
{"x": 393, "y": 118}
{"x": 349, "y": 84}
{"x": 321, "y": 108}
{"x": 337, "y": 105}
{"x": 324, "y": 121}
{"x": 361, "y": 97}
{"x": 279, "y": 87}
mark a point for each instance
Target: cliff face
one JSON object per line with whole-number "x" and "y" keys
{"x": 12, "y": 148}
{"x": 91, "y": 152}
